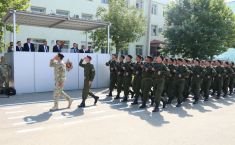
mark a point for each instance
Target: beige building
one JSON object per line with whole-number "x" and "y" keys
{"x": 86, "y": 9}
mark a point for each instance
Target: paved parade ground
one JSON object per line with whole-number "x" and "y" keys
{"x": 26, "y": 120}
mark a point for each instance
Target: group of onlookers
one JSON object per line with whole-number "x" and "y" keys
{"x": 30, "y": 47}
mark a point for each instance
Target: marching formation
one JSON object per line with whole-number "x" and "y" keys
{"x": 164, "y": 79}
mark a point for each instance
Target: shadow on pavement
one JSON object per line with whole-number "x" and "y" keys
{"x": 38, "y": 118}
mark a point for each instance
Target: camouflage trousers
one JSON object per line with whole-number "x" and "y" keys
{"x": 59, "y": 92}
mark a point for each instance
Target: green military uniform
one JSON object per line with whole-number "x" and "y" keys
{"x": 113, "y": 75}
{"x": 228, "y": 73}
{"x": 187, "y": 84}
{"x": 146, "y": 82}
{"x": 59, "y": 73}
{"x": 180, "y": 73}
{"x": 137, "y": 81}
{"x": 197, "y": 75}
{"x": 5, "y": 73}
{"x": 89, "y": 75}
{"x": 120, "y": 76}
{"x": 160, "y": 73}
{"x": 170, "y": 80}
{"x": 219, "y": 80}
{"x": 210, "y": 72}
{"x": 232, "y": 80}
{"x": 128, "y": 70}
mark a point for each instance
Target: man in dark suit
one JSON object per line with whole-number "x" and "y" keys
{"x": 29, "y": 46}
{"x": 43, "y": 47}
{"x": 57, "y": 47}
{"x": 74, "y": 49}
{"x": 82, "y": 50}
{"x": 19, "y": 47}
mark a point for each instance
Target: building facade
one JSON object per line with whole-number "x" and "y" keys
{"x": 86, "y": 9}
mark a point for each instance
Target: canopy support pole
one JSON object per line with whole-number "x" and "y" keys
{"x": 108, "y": 39}
{"x": 14, "y": 30}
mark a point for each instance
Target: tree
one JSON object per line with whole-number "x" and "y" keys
{"x": 127, "y": 25}
{"x": 6, "y": 5}
{"x": 199, "y": 28}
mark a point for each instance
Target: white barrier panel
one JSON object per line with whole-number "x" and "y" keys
{"x": 24, "y": 80}
{"x": 33, "y": 74}
{"x": 103, "y": 71}
{"x": 44, "y": 76}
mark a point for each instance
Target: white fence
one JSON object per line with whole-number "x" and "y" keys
{"x": 31, "y": 71}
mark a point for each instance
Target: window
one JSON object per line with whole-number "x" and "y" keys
{"x": 127, "y": 3}
{"x": 38, "y": 9}
{"x": 105, "y": 1}
{"x": 37, "y": 42}
{"x": 64, "y": 45}
{"x": 87, "y": 16}
{"x": 124, "y": 52}
{"x": 139, "y": 49}
{"x": 139, "y": 4}
{"x": 154, "y": 9}
{"x": 62, "y": 13}
{"x": 154, "y": 29}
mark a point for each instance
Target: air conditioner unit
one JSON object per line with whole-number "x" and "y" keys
{"x": 76, "y": 16}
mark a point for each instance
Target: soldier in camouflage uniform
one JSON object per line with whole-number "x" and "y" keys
{"x": 59, "y": 73}
{"x": 207, "y": 79}
{"x": 180, "y": 73}
{"x": 171, "y": 80}
{"x": 128, "y": 70}
{"x": 197, "y": 75}
{"x": 219, "y": 78}
{"x": 137, "y": 79}
{"x": 89, "y": 75}
{"x": 5, "y": 74}
{"x": 187, "y": 85}
{"x": 113, "y": 73}
{"x": 120, "y": 75}
{"x": 229, "y": 72}
{"x": 160, "y": 73}
{"x": 146, "y": 82}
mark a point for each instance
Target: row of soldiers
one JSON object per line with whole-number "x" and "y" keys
{"x": 164, "y": 79}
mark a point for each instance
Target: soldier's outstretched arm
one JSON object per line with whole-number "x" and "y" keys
{"x": 52, "y": 63}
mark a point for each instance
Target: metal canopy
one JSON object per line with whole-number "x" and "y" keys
{"x": 52, "y": 21}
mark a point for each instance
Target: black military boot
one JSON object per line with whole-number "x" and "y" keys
{"x": 125, "y": 99}
{"x": 110, "y": 94}
{"x": 195, "y": 102}
{"x": 96, "y": 99}
{"x": 179, "y": 104}
{"x": 82, "y": 105}
{"x": 152, "y": 100}
{"x": 143, "y": 105}
{"x": 225, "y": 95}
{"x": 206, "y": 98}
{"x": 164, "y": 103}
{"x": 218, "y": 96}
{"x": 135, "y": 102}
{"x": 132, "y": 94}
{"x": 156, "y": 109}
{"x": 169, "y": 101}
{"x": 117, "y": 97}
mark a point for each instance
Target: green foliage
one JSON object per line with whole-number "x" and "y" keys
{"x": 199, "y": 28}
{"x": 127, "y": 25}
{"x": 6, "y": 5}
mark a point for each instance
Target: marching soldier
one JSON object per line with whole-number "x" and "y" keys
{"x": 232, "y": 79}
{"x": 89, "y": 75}
{"x": 171, "y": 80}
{"x": 219, "y": 78}
{"x": 146, "y": 82}
{"x": 160, "y": 73}
{"x": 197, "y": 75}
{"x": 180, "y": 73}
{"x": 128, "y": 69}
{"x": 229, "y": 72}
{"x": 137, "y": 79}
{"x": 187, "y": 85}
{"x": 207, "y": 79}
{"x": 59, "y": 72}
{"x": 113, "y": 74}
{"x": 120, "y": 74}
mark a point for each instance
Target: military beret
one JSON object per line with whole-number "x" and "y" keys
{"x": 227, "y": 62}
{"x": 172, "y": 59}
{"x": 180, "y": 59}
{"x": 61, "y": 56}
{"x": 130, "y": 56}
{"x": 150, "y": 57}
{"x": 219, "y": 61}
{"x": 115, "y": 55}
{"x": 122, "y": 56}
{"x": 89, "y": 57}
{"x": 197, "y": 60}
{"x": 139, "y": 56}
{"x": 162, "y": 57}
